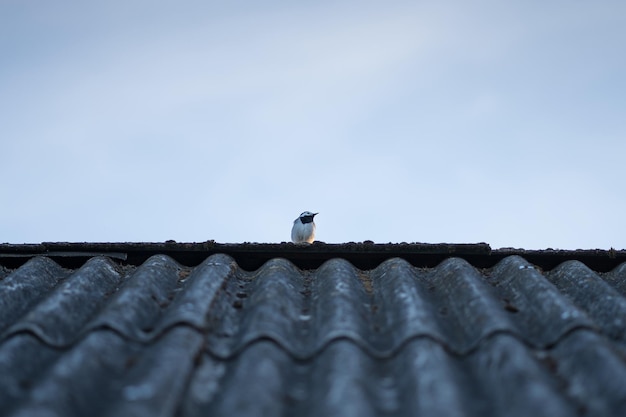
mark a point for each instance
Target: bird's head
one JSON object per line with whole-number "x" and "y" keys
{"x": 307, "y": 217}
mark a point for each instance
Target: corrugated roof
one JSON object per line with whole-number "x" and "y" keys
{"x": 154, "y": 337}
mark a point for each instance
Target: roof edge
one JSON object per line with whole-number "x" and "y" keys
{"x": 364, "y": 255}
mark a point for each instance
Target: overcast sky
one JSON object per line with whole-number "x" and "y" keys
{"x": 420, "y": 121}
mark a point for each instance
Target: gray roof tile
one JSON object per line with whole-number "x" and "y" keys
{"x": 597, "y": 298}
{"x": 25, "y": 287}
{"x": 163, "y": 339}
{"x": 60, "y": 316}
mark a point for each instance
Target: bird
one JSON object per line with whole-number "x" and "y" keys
{"x": 303, "y": 230}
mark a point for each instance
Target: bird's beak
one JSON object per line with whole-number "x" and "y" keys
{"x": 315, "y": 214}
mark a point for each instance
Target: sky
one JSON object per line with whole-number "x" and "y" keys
{"x": 401, "y": 121}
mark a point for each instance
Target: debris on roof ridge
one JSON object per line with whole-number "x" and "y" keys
{"x": 250, "y": 256}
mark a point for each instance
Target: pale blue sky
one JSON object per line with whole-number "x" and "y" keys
{"x": 421, "y": 121}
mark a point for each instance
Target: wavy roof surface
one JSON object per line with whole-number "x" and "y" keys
{"x": 92, "y": 333}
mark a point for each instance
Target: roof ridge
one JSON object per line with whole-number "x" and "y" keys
{"x": 250, "y": 256}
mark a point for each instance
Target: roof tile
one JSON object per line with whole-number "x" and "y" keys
{"x": 601, "y": 302}
{"x": 59, "y": 317}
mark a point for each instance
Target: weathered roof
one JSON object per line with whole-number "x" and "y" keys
{"x": 348, "y": 330}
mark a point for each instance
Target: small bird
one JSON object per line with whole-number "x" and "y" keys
{"x": 303, "y": 230}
